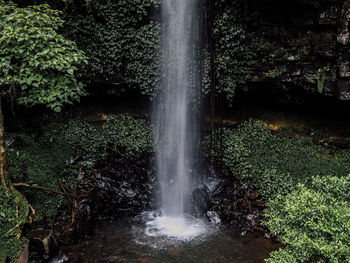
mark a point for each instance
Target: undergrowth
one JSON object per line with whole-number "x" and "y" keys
{"x": 48, "y": 161}
{"x": 275, "y": 163}
{"x": 13, "y": 214}
{"x": 305, "y": 187}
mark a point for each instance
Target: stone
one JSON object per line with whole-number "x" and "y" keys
{"x": 201, "y": 202}
{"x": 344, "y": 70}
{"x": 267, "y": 235}
{"x": 344, "y": 35}
{"x": 60, "y": 258}
{"x": 214, "y": 217}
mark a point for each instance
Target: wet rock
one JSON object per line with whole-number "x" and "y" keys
{"x": 214, "y": 217}
{"x": 236, "y": 205}
{"x": 340, "y": 142}
{"x": 42, "y": 244}
{"x": 122, "y": 187}
{"x": 244, "y": 233}
{"x": 298, "y": 40}
{"x": 60, "y": 258}
{"x": 253, "y": 196}
{"x": 267, "y": 235}
{"x": 339, "y": 89}
{"x": 344, "y": 35}
{"x": 9, "y": 140}
{"x": 83, "y": 210}
{"x": 201, "y": 201}
{"x": 250, "y": 223}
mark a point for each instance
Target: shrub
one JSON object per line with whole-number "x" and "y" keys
{"x": 121, "y": 134}
{"x": 313, "y": 221}
{"x": 234, "y": 48}
{"x": 275, "y": 164}
{"x": 13, "y": 213}
{"x": 120, "y": 40}
{"x": 42, "y": 161}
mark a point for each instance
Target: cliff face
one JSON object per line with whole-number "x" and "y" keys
{"x": 301, "y": 43}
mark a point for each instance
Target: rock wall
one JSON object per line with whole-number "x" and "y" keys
{"x": 301, "y": 43}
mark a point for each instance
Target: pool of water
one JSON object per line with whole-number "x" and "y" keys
{"x": 128, "y": 241}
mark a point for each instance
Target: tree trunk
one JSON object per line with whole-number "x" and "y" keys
{"x": 3, "y": 159}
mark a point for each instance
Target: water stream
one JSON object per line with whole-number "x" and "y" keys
{"x": 175, "y": 119}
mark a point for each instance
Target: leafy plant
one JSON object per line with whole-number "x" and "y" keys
{"x": 119, "y": 39}
{"x": 233, "y": 48}
{"x": 275, "y": 164}
{"x": 13, "y": 213}
{"x": 313, "y": 221}
{"x": 43, "y": 161}
{"x": 119, "y": 134}
{"x": 36, "y": 62}
{"x": 37, "y": 66}
{"x": 40, "y": 162}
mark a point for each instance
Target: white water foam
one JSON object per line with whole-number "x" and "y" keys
{"x": 180, "y": 228}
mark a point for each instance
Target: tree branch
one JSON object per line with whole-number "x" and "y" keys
{"x": 46, "y": 189}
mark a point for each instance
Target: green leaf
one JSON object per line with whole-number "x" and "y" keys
{"x": 57, "y": 109}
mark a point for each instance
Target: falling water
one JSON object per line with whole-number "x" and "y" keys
{"x": 174, "y": 117}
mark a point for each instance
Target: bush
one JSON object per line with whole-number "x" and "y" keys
{"x": 313, "y": 221}
{"x": 275, "y": 164}
{"x": 234, "y": 48}
{"x": 120, "y": 40}
{"x": 42, "y": 161}
{"x": 13, "y": 213}
{"x": 119, "y": 134}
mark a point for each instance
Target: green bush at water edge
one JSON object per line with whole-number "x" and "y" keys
{"x": 313, "y": 221}
{"x": 307, "y": 208}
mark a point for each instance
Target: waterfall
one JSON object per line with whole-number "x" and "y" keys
{"x": 174, "y": 118}
{"x": 176, "y": 121}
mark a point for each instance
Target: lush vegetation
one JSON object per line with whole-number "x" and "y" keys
{"x": 13, "y": 213}
{"x": 43, "y": 161}
{"x": 313, "y": 221}
{"x": 46, "y": 58}
{"x": 304, "y": 185}
{"x": 37, "y": 64}
{"x": 234, "y": 48}
{"x": 120, "y": 40}
{"x": 276, "y": 163}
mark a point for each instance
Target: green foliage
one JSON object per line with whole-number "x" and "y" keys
{"x": 119, "y": 40}
{"x": 43, "y": 161}
{"x": 275, "y": 164}
{"x": 119, "y": 134}
{"x": 40, "y": 162}
{"x": 314, "y": 222}
{"x": 233, "y": 51}
{"x": 142, "y": 69}
{"x": 13, "y": 213}
{"x": 36, "y": 62}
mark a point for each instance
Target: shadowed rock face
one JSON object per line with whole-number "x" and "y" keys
{"x": 301, "y": 44}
